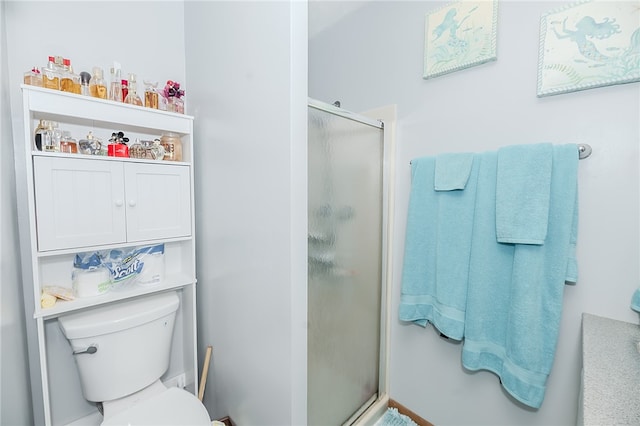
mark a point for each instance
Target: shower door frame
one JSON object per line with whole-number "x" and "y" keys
{"x": 373, "y": 409}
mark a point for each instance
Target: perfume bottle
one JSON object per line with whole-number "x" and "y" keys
{"x": 46, "y": 137}
{"x": 132, "y": 96}
{"x": 97, "y": 85}
{"x": 115, "y": 89}
{"x": 125, "y": 89}
{"x": 58, "y": 62}
{"x": 151, "y": 95}
{"x": 70, "y": 81}
{"x": 66, "y": 84}
{"x": 56, "y": 136}
{"x": 85, "y": 79}
{"x": 118, "y": 145}
{"x": 33, "y": 77}
{"x": 75, "y": 81}
{"x": 50, "y": 75}
{"x": 91, "y": 145}
{"x": 51, "y": 138}
{"x": 172, "y": 145}
{"x": 40, "y": 133}
{"x": 68, "y": 144}
{"x": 149, "y": 150}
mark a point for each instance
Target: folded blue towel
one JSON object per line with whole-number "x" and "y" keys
{"x": 635, "y": 301}
{"x": 522, "y": 193}
{"x": 515, "y": 291}
{"x": 452, "y": 171}
{"x": 437, "y": 250}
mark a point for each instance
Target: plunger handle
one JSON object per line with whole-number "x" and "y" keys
{"x": 205, "y": 370}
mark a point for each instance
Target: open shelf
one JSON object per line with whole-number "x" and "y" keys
{"x": 171, "y": 281}
{"x": 105, "y": 158}
{"x": 56, "y": 105}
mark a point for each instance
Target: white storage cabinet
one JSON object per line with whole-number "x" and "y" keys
{"x": 84, "y": 202}
{"x": 78, "y": 203}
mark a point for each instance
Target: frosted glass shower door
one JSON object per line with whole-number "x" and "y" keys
{"x": 345, "y": 183}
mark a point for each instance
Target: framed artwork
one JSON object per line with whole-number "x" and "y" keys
{"x": 460, "y": 35}
{"x": 589, "y": 44}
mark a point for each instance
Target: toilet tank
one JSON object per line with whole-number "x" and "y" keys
{"x": 133, "y": 342}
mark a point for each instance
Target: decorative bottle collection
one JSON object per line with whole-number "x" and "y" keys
{"x": 49, "y": 137}
{"x": 58, "y": 74}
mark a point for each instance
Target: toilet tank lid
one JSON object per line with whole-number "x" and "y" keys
{"x": 118, "y": 316}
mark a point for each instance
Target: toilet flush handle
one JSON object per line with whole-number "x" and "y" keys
{"x": 90, "y": 350}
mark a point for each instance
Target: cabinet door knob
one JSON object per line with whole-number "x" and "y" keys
{"x": 132, "y": 203}
{"x": 119, "y": 203}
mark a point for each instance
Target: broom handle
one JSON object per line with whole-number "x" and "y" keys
{"x": 205, "y": 370}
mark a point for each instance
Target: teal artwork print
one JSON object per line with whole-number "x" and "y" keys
{"x": 589, "y": 44}
{"x": 458, "y": 36}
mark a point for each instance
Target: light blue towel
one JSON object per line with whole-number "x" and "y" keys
{"x": 635, "y": 301}
{"x": 452, "y": 171}
{"x": 515, "y": 292}
{"x": 392, "y": 417}
{"x": 572, "y": 263}
{"x": 437, "y": 250}
{"x": 522, "y": 193}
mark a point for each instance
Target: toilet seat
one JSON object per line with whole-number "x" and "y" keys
{"x": 173, "y": 407}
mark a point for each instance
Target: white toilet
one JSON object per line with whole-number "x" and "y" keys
{"x": 121, "y": 351}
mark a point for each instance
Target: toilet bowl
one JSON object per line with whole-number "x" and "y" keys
{"x": 172, "y": 407}
{"x": 121, "y": 351}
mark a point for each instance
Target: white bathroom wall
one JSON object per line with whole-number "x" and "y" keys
{"x": 248, "y": 60}
{"x": 15, "y": 398}
{"x": 147, "y": 38}
{"x": 372, "y": 56}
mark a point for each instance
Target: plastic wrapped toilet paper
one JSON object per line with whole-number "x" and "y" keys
{"x": 153, "y": 270}
{"x": 116, "y": 269}
{"x": 90, "y": 277}
{"x": 89, "y": 283}
{"x": 142, "y": 265}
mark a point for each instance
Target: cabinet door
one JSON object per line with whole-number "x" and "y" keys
{"x": 158, "y": 199}
{"x": 78, "y": 202}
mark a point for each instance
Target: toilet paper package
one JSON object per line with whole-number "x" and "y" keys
{"x": 90, "y": 277}
{"x": 142, "y": 265}
{"x": 97, "y": 272}
{"x": 153, "y": 270}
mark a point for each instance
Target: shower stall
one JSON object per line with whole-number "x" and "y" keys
{"x": 346, "y": 263}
